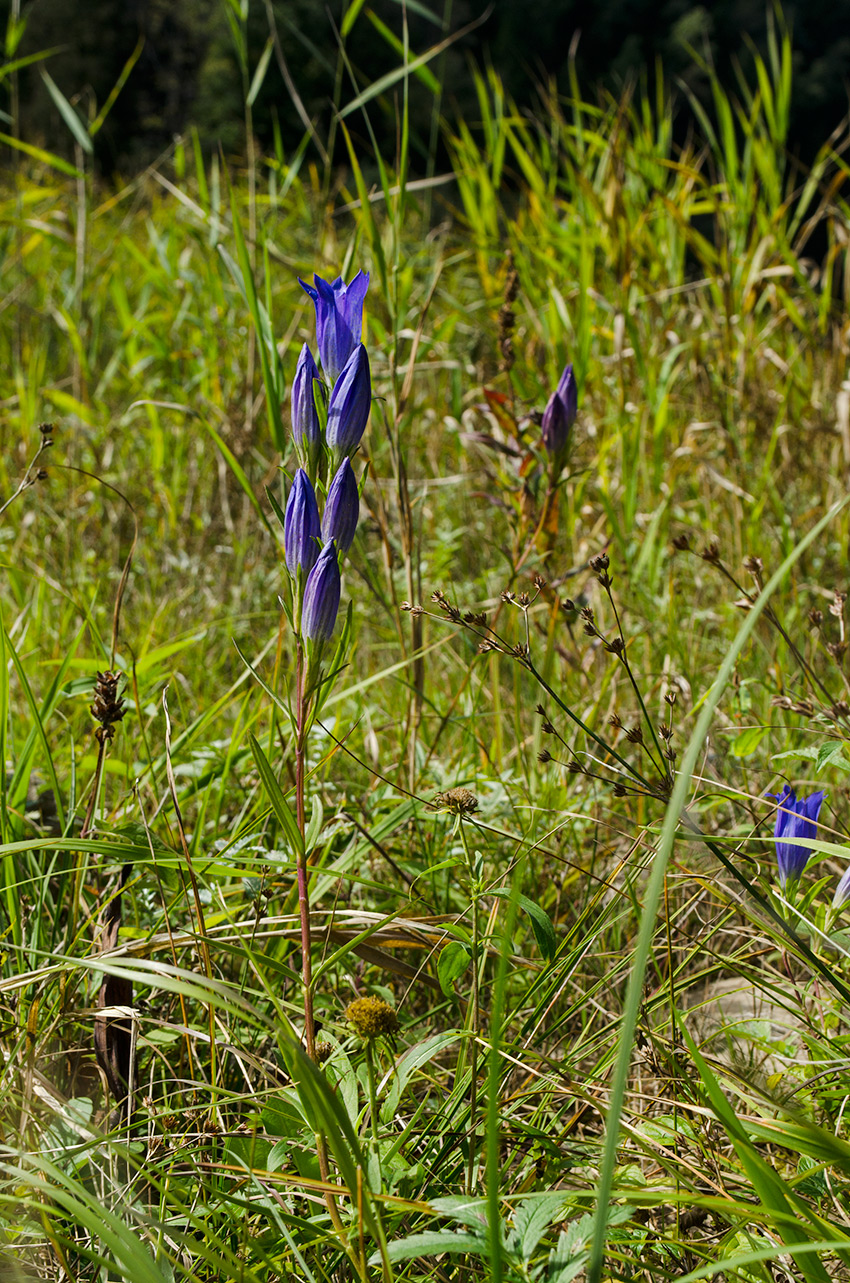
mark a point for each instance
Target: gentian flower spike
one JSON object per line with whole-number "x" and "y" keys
{"x": 321, "y": 597}
{"x": 795, "y": 818}
{"x": 339, "y": 319}
{"x": 301, "y": 526}
{"x": 342, "y": 510}
{"x": 306, "y": 430}
{"x": 560, "y": 414}
{"x": 349, "y": 406}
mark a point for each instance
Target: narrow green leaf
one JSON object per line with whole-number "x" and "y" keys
{"x": 274, "y": 792}
{"x": 72, "y": 120}
{"x": 260, "y": 73}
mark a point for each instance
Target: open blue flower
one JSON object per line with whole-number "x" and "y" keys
{"x": 795, "y": 818}
{"x": 339, "y": 319}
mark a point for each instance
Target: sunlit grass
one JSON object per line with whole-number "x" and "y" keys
{"x": 710, "y": 347}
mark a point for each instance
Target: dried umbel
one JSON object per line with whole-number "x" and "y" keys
{"x": 108, "y": 707}
{"x": 372, "y": 1018}
{"x": 458, "y": 801}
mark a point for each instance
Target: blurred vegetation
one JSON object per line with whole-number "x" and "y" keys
{"x": 189, "y": 71}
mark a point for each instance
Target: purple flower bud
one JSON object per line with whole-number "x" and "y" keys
{"x": 306, "y": 431}
{"x": 321, "y": 596}
{"x": 301, "y": 526}
{"x": 339, "y": 319}
{"x": 560, "y": 414}
{"x": 349, "y": 406}
{"x": 795, "y": 818}
{"x": 339, "y": 520}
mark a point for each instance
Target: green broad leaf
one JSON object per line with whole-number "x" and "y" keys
{"x": 541, "y": 923}
{"x": 452, "y": 963}
{"x": 832, "y": 754}
{"x": 748, "y": 741}
{"x": 471, "y": 1212}
{"x": 532, "y": 1218}
{"x": 433, "y": 1243}
{"x": 274, "y": 792}
{"x": 810, "y": 753}
{"x": 66, "y": 111}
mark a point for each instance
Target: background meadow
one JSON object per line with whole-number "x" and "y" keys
{"x": 621, "y": 1047}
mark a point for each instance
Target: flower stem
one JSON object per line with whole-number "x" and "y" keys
{"x": 301, "y": 717}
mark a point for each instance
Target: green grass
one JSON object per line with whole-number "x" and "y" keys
{"x": 554, "y": 1102}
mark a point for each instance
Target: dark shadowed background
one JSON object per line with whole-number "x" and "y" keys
{"x": 189, "y": 73}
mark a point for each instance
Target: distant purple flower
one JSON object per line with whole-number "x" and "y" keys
{"x": 339, "y": 319}
{"x": 301, "y": 526}
{"x": 349, "y": 406}
{"x": 842, "y": 891}
{"x": 795, "y": 818}
{"x": 306, "y": 432}
{"x": 560, "y": 414}
{"x": 342, "y": 509}
{"x": 321, "y": 597}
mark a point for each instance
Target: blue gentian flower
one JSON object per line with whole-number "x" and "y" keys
{"x": 301, "y": 526}
{"x": 795, "y": 818}
{"x": 321, "y": 597}
{"x": 306, "y": 430}
{"x": 339, "y": 319}
{"x": 560, "y": 414}
{"x": 349, "y": 406}
{"x": 342, "y": 509}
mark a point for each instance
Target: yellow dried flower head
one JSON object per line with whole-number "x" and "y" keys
{"x": 458, "y": 801}
{"x": 372, "y": 1018}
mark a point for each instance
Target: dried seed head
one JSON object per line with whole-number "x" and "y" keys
{"x": 599, "y": 563}
{"x": 614, "y": 720}
{"x": 682, "y": 543}
{"x": 634, "y": 734}
{"x": 840, "y": 708}
{"x": 539, "y": 581}
{"x": 665, "y": 731}
{"x": 459, "y": 801}
{"x": 108, "y": 707}
{"x": 815, "y": 617}
{"x": 47, "y": 430}
{"x": 477, "y": 617}
{"x": 711, "y": 552}
{"x": 568, "y": 605}
{"x": 507, "y": 596}
{"x": 836, "y": 606}
{"x": 837, "y": 650}
{"x": 372, "y": 1018}
{"x": 544, "y": 756}
{"x": 616, "y": 647}
{"x": 803, "y": 706}
{"x": 670, "y": 697}
{"x": 754, "y": 566}
{"x": 547, "y": 728}
{"x": 541, "y": 710}
{"x": 619, "y": 790}
{"x": 575, "y": 767}
{"x": 520, "y": 651}
{"x": 523, "y": 600}
{"x": 324, "y": 1050}
{"x": 412, "y": 609}
{"x": 587, "y": 613}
